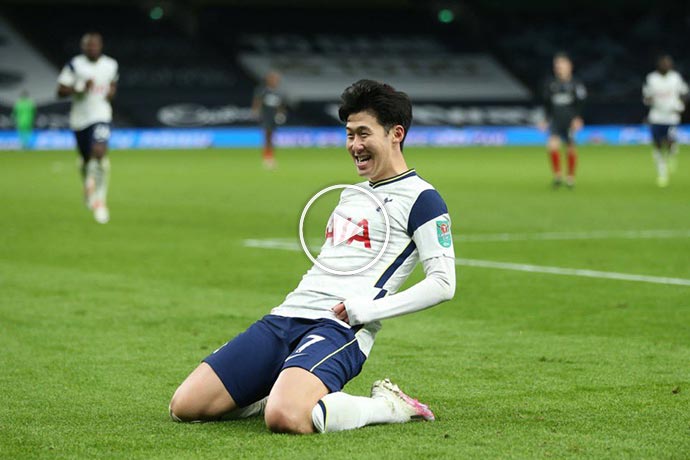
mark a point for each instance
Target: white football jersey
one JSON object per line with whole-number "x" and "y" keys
{"x": 666, "y": 93}
{"x": 419, "y": 230}
{"x": 92, "y": 107}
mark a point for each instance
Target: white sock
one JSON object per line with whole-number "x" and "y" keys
{"x": 102, "y": 179}
{"x": 82, "y": 167}
{"x": 341, "y": 411}
{"x": 174, "y": 417}
{"x": 251, "y": 410}
{"x": 660, "y": 163}
{"x": 92, "y": 171}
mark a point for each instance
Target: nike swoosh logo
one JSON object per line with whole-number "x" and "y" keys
{"x": 294, "y": 356}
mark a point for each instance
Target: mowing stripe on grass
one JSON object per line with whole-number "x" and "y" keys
{"x": 293, "y": 246}
{"x": 564, "y": 236}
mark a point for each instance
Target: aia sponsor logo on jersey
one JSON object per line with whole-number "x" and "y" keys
{"x": 361, "y": 237}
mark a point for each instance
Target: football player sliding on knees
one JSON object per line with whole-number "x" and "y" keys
{"x": 291, "y": 365}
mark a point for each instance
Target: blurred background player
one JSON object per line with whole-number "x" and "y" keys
{"x": 23, "y": 114}
{"x": 663, "y": 91}
{"x": 269, "y": 107}
{"x": 564, "y": 98}
{"x": 91, "y": 80}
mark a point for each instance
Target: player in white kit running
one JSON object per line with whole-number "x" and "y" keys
{"x": 292, "y": 364}
{"x": 664, "y": 91}
{"x": 90, "y": 79}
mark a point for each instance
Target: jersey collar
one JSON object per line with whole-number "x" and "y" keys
{"x": 390, "y": 180}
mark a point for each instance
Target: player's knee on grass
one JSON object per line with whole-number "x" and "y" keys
{"x": 288, "y": 418}
{"x": 188, "y": 408}
{"x": 201, "y": 397}
{"x": 183, "y": 407}
{"x": 187, "y": 405}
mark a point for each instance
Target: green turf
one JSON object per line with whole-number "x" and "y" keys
{"x": 99, "y": 324}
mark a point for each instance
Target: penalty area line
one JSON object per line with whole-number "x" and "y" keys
{"x": 543, "y": 269}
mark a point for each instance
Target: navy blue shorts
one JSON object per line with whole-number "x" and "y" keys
{"x": 561, "y": 128}
{"x": 95, "y": 133}
{"x": 249, "y": 364}
{"x": 268, "y": 123}
{"x": 662, "y": 133}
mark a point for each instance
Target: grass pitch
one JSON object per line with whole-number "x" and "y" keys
{"x": 99, "y": 324}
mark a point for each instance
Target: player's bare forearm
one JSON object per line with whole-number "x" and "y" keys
{"x": 77, "y": 89}
{"x": 112, "y": 91}
{"x": 65, "y": 91}
{"x": 577, "y": 123}
{"x": 256, "y": 105}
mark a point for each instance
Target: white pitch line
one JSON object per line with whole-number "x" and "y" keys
{"x": 543, "y": 236}
{"x": 288, "y": 245}
{"x": 572, "y": 272}
{"x": 293, "y": 246}
{"x": 591, "y": 235}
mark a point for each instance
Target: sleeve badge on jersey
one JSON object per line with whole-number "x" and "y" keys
{"x": 443, "y": 233}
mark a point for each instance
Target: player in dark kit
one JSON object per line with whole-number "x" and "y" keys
{"x": 564, "y": 98}
{"x": 269, "y": 107}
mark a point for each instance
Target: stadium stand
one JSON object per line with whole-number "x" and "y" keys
{"x": 444, "y": 70}
{"x": 160, "y": 65}
{"x": 613, "y": 47}
{"x": 486, "y": 68}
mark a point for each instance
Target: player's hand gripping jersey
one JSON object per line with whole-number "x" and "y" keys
{"x": 419, "y": 231}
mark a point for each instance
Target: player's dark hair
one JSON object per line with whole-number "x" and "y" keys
{"x": 390, "y": 107}
{"x": 562, "y": 55}
{"x": 92, "y": 33}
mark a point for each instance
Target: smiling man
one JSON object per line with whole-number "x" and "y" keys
{"x": 293, "y": 363}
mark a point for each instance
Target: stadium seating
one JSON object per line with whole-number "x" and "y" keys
{"x": 182, "y": 75}
{"x": 159, "y": 63}
{"x": 611, "y": 56}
